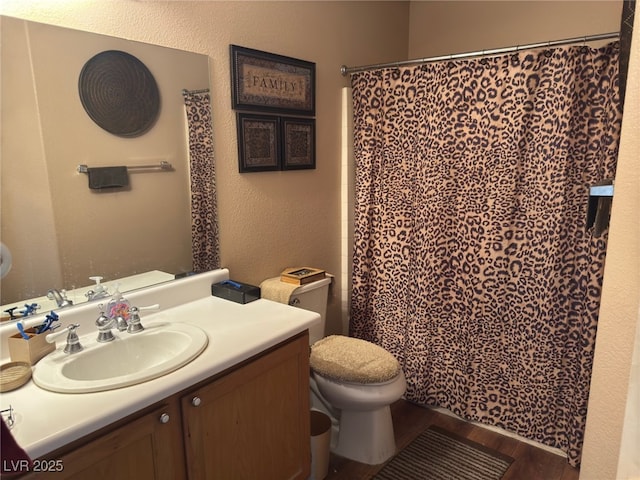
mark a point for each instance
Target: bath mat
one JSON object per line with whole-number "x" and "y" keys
{"x": 439, "y": 455}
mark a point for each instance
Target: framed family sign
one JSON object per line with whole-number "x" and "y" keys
{"x": 267, "y": 82}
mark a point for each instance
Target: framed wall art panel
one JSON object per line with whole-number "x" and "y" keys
{"x": 298, "y": 143}
{"x": 258, "y": 142}
{"x": 266, "y": 82}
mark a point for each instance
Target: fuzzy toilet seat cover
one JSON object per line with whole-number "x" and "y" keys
{"x": 348, "y": 359}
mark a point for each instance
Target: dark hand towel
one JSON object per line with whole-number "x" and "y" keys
{"x": 108, "y": 177}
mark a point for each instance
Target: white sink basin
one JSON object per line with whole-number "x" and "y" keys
{"x": 129, "y": 359}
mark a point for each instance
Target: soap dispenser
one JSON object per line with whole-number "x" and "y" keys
{"x": 118, "y": 309}
{"x": 99, "y": 290}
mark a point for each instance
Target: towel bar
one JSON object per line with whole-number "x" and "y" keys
{"x": 162, "y": 166}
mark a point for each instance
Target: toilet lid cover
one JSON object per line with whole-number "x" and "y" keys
{"x": 352, "y": 360}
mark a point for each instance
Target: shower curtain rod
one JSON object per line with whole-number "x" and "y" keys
{"x": 480, "y": 53}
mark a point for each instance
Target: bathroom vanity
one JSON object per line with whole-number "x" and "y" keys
{"x": 238, "y": 410}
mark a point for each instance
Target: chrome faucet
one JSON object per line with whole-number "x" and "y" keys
{"x": 104, "y": 325}
{"x": 130, "y": 325}
{"x": 60, "y": 296}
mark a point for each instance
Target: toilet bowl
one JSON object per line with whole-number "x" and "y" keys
{"x": 361, "y": 380}
{"x": 365, "y": 433}
{"x": 352, "y": 381}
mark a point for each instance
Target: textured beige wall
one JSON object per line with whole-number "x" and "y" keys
{"x": 443, "y": 27}
{"x": 268, "y": 220}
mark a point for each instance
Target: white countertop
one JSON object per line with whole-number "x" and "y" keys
{"x": 46, "y": 420}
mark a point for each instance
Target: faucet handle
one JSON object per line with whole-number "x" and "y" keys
{"x": 134, "y": 318}
{"x": 73, "y": 342}
{"x": 51, "y": 337}
{"x": 134, "y": 321}
{"x": 155, "y": 306}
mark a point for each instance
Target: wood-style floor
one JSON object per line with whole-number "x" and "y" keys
{"x": 409, "y": 420}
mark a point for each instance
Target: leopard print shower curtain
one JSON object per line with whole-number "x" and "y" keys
{"x": 204, "y": 217}
{"x": 472, "y": 262}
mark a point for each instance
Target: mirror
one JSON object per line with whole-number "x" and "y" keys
{"x": 59, "y": 232}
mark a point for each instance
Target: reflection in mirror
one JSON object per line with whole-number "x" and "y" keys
{"x": 59, "y": 232}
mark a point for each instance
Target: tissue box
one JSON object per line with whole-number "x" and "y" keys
{"x": 235, "y": 291}
{"x": 30, "y": 351}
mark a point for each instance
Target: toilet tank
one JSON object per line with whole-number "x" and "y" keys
{"x": 313, "y": 296}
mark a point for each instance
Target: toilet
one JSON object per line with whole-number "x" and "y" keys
{"x": 354, "y": 382}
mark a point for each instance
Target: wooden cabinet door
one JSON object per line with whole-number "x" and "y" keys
{"x": 252, "y": 423}
{"x": 149, "y": 447}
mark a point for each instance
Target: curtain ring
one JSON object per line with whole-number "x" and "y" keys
{"x": 585, "y": 47}
{"x": 547, "y": 51}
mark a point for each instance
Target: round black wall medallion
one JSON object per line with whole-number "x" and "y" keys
{"x": 119, "y": 93}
